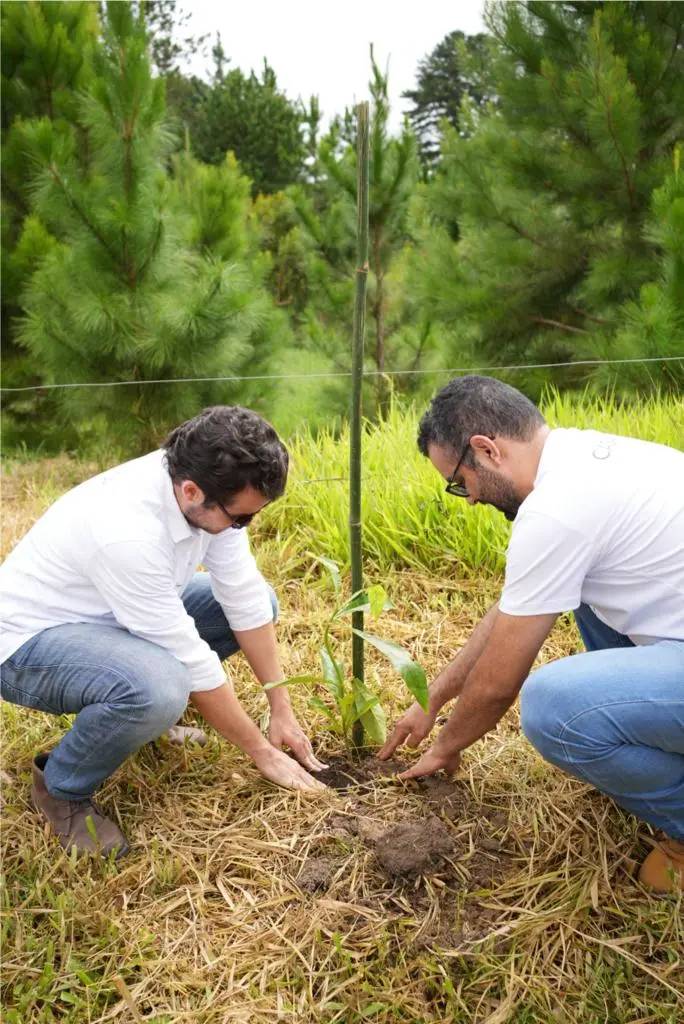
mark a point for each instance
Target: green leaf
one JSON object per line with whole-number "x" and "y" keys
{"x": 377, "y": 598}
{"x": 373, "y": 600}
{"x": 293, "y": 680}
{"x": 334, "y": 571}
{"x": 347, "y": 714}
{"x": 409, "y": 670}
{"x": 333, "y": 676}
{"x": 369, "y": 711}
{"x": 92, "y": 831}
{"x": 320, "y": 705}
{"x": 371, "y": 1009}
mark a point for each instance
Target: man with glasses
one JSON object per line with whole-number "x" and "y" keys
{"x": 105, "y": 616}
{"x": 598, "y": 528}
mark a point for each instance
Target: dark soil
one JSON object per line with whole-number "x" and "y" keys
{"x": 346, "y": 773}
{"x": 414, "y": 847}
{"x": 445, "y": 835}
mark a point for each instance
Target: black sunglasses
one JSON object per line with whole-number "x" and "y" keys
{"x": 239, "y": 522}
{"x": 458, "y": 490}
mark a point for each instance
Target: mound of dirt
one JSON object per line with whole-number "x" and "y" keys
{"x": 417, "y": 846}
{"x": 317, "y": 874}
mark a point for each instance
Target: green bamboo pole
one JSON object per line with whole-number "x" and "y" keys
{"x": 362, "y": 160}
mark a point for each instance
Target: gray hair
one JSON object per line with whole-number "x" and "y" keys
{"x": 477, "y": 405}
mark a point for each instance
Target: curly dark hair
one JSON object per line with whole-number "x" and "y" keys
{"x": 477, "y": 405}
{"x": 224, "y": 449}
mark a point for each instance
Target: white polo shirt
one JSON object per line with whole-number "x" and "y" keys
{"x": 117, "y": 550}
{"x": 603, "y": 526}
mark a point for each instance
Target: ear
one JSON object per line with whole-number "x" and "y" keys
{"x": 193, "y": 494}
{"x": 487, "y": 449}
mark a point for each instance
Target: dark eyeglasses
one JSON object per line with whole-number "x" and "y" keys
{"x": 239, "y": 522}
{"x": 458, "y": 490}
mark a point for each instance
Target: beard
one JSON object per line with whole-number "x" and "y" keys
{"x": 195, "y": 516}
{"x": 495, "y": 490}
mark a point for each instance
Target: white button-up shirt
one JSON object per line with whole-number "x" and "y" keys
{"x": 117, "y": 550}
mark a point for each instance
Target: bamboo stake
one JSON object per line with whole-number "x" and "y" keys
{"x": 362, "y": 161}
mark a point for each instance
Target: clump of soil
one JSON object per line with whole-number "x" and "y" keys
{"x": 414, "y": 847}
{"x": 317, "y": 874}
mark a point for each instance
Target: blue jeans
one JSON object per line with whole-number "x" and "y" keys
{"x": 614, "y": 717}
{"x": 124, "y": 691}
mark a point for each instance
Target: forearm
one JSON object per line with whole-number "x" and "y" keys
{"x": 222, "y": 710}
{"x": 495, "y": 680}
{"x": 477, "y": 712}
{"x": 260, "y": 648}
{"x": 451, "y": 680}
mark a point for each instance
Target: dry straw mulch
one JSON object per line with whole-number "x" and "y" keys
{"x": 507, "y": 895}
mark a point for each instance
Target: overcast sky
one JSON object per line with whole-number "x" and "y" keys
{"x": 317, "y": 47}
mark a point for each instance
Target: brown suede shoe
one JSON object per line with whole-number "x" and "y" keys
{"x": 180, "y": 734}
{"x": 69, "y": 819}
{"x": 663, "y": 869}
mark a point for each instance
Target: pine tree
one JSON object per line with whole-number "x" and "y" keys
{"x": 247, "y": 115}
{"x": 457, "y": 67}
{"x": 535, "y": 234}
{"x": 135, "y": 289}
{"x": 46, "y": 61}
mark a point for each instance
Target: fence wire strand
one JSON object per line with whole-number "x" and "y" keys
{"x": 342, "y": 373}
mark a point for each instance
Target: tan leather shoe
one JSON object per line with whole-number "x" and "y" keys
{"x": 180, "y": 734}
{"x": 69, "y": 819}
{"x": 663, "y": 869}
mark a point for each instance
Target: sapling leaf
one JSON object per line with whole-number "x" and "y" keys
{"x": 377, "y": 598}
{"x": 293, "y": 680}
{"x": 333, "y": 677}
{"x": 409, "y": 670}
{"x": 346, "y": 708}
{"x": 334, "y": 571}
{"x": 373, "y": 600}
{"x": 369, "y": 711}
{"x": 320, "y": 705}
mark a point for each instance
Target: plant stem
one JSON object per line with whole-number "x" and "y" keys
{"x": 362, "y": 162}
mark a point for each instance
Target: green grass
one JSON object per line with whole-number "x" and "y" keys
{"x": 409, "y": 522}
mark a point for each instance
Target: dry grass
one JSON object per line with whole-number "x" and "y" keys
{"x": 216, "y": 915}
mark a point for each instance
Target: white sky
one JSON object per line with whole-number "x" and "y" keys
{"x": 318, "y": 47}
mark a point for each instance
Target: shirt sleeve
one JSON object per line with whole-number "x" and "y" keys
{"x": 135, "y": 580}
{"x": 546, "y": 564}
{"x": 236, "y": 582}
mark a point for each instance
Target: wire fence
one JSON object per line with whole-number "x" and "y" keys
{"x": 343, "y": 373}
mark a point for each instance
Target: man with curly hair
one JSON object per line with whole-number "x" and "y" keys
{"x": 105, "y": 616}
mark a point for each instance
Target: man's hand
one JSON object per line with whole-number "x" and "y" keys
{"x": 277, "y": 767}
{"x": 285, "y": 731}
{"x": 412, "y": 728}
{"x": 433, "y": 760}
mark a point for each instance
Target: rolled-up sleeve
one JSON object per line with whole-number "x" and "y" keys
{"x": 546, "y": 564}
{"x": 135, "y": 580}
{"x": 236, "y": 582}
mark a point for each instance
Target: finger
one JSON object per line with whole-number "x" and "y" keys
{"x": 303, "y": 751}
{"x": 396, "y": 739}
{"x": 306, "y": 781}
{"x": 426, "y": 766}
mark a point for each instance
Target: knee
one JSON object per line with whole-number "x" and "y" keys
{"x": 274, "y": 602}
{"x": 542, "y": 711}
{"x": 161, "y": 695}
